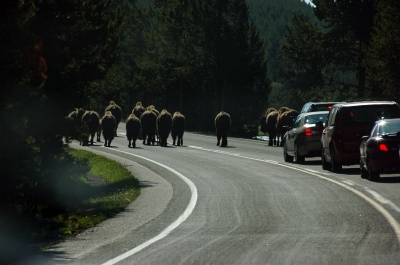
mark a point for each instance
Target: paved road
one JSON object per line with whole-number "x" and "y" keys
{"x": 203, "y": 204}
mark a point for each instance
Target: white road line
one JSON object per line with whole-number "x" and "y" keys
{"x": 392, "y": 221}
{"x": 170, "y": 228}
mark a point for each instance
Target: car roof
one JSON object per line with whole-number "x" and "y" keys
{"x": 323, "y": 102}
{"x": 366, "y": 103}
{"x": 315, "y": 112}
{"x": 389, "y": 120}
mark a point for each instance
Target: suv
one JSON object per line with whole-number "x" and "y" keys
{"x": 317, "y": 106}
{"x": 345, "y": 126}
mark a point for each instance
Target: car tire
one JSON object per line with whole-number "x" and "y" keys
{"x": 298, "y": 158}
{"x": 286, "y": 157}
{"x": 364, "y": 173}
{"x": 372, "y": 175}
{"x": 325, "y": 165}
{"x": 335, "y": 166}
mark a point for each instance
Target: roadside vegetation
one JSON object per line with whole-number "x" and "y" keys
{"x": 88, "y": 190}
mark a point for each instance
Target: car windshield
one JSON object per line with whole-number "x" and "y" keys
{"x": 389, "y": 127}
{"x": 368, "y": 114}
{"x": 312, "y": 119}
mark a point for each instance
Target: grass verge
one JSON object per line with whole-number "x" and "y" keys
{"x": 90, "y": 190}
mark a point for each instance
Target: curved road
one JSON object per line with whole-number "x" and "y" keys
{"x": 240, "y": 205}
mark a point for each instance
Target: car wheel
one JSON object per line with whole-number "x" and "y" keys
{"x": 335, "y": 166}
{"x": 364, "y": 173}
{"x": 299, "y": 159}
{"x": 325, "y": 165}
{"x": 372, "y": 175}
{"x": 286, "y": 157}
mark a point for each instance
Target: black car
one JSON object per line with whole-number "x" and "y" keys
{"x": 379, "y": 151}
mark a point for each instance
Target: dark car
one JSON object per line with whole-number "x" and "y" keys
{"x": 303, "y": 137}
{"x": 317, "y": 106}
{"x": 347, "y": 123}
{"x": 379, "y": 152}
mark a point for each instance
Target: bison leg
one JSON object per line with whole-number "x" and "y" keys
{"x": 224, "y": 142}
{"x": 218, "y": 138}
{"x": 181, "y": 142}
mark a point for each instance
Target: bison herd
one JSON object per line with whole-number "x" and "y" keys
{"x": 148, "y": 124}
{"x": 153, "y": 127}
{"x": 275, "y": 123}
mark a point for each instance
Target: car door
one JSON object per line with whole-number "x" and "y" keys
{"x": 328, "y": 132}
{"x": 291, "y": 135}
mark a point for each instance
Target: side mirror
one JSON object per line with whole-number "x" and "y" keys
{"x": 365, "y": 138}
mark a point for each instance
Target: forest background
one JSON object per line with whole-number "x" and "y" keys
{"x": 196, "y": 57}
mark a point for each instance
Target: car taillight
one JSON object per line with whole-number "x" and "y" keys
{"x": 308, "y": 132}
{"x": 383, "y": 147}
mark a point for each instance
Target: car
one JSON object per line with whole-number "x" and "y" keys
{"x": 379, "y": 151}
{"x": 303, "y": 138}
{"x": 347, "y": 123}
{"x": 317, "y": 106}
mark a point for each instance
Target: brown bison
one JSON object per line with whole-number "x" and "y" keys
{"x": 271, "y": 120}
{"x": 263, "y": 120}
{"x": 285, "y": 120}
{"x": 222, "y": 125}
{"x": 116, "y": 112}
{"x": 133, "y": 126}
{"x": 138, "y": 109}
{"x": 74, "y": 125}
{"x": 108, "y": 125}
{"x": 91, "y": 119}
{"x": 164, "y": 126}
{"x": 178, "y": 128}
{"x": 153, "y": 109}
{"x": 149, "y": 124}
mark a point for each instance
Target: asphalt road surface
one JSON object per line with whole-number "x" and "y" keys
{"x": 242, "y": 204}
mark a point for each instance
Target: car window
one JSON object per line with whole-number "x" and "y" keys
{"x": 305, "y": 108}
{"x": 296, "y": 123}
{"x": 332, "y": 116}
{"x": 363, "y": 115}
{"x": 312, "y": 119}
{"x": 389, "y": 128}
{"x": 321, "y": 107}
{"x": 374, "y": 131}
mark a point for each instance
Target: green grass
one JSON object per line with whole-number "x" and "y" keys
{"x": 105, "y": 190}
{"x": 86, "y": 190}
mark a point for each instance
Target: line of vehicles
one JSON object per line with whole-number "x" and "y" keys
{"x": 347, "y": 133}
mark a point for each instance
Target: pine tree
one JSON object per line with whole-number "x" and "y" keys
{"x": 382, "y": 60}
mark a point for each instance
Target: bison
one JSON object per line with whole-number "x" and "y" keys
{"x": 164, "y": 126}
{"x": 117, "y": 113}
{"x": 92, "y": 120}
{"x": 178, "y": 128}
{"x": 263, "y": 120}
{"x": 74, "y": 128}
{"x": 153, "y": 109}
{"x": 271, "y": 120}
{"x": 285, "y": 120}
{"x": 108, "y": 125}
{"x": 222, "y": 125}
{"x": 133, "y": 126}
{"x": 149, "y": 124}
{"x": 138, "y": 109}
